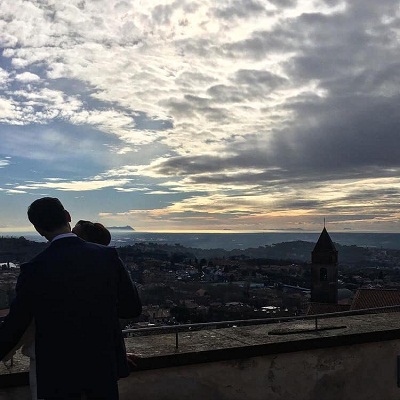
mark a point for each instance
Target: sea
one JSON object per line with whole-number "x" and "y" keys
{"x": 230, "y": 241}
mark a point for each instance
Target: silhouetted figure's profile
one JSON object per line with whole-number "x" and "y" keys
{"x": 75, "y": 291}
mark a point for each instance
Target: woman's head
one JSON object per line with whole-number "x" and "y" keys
{"x": 92, "y": 232}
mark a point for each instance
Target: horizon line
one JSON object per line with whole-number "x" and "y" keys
{"x": 20, "y": 232}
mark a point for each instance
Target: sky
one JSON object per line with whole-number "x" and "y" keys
{"x": 228, "y": 115}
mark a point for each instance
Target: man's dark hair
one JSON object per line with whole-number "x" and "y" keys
{"x": 47, "y": 213}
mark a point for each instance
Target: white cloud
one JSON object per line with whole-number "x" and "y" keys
{"x": 15, "y": 191}
{"x": 4, "y": 78}
{"x": 4, "y": 163}
{"x": 75, "y": 186}
{"x": 27, "y": 77}
{"x": 10, "y": 112}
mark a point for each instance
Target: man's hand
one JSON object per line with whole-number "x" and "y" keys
{"x": 132, "y": 361}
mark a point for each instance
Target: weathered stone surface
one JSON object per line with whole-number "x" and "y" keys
{"x": 358, "y": 360}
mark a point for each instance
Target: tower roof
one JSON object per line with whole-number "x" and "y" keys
{"x": 324, "y": 243}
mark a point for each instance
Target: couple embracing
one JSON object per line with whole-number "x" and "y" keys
{"x": 75, "y": 291}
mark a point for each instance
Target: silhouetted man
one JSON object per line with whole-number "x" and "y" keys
{"x": 75, "y": 291}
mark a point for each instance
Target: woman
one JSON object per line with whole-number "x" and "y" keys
{"x": 92, "y": 232}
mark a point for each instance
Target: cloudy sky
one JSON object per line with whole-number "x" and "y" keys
{"x": 202, "y": 115}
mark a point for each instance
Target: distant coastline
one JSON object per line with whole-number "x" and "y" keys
{"x": 120, "y": 228}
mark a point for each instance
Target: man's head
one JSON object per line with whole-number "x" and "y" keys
{"x": 92, "y": 232}
{"x": 48, "y": 216}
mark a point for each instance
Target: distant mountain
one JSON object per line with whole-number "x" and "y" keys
{"x": 120, "y": 228}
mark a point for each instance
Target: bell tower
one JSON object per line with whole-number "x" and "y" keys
{"x": 324, "y": 270}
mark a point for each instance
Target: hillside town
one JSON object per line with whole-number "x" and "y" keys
{"x": 184, "y": 285}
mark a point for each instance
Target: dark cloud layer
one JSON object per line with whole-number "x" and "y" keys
{"x": 339, "y": 138}
{"x": 239, "y": 9}
{"x": 349, "y": 131}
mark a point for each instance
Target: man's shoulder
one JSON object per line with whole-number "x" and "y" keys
{"x": 36, "y": 259}
{"x": 74, "y": 245}
{"x": 99, "y": 247}
{"x": 98, "y": 251}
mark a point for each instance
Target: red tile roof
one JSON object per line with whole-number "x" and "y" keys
{"x": 373, "y": 298}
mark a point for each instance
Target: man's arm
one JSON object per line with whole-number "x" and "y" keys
{"x": 19, "y": 317}
{"x": 129, "y": 304}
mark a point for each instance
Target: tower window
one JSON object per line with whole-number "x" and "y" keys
{"x": 323, "y": 274}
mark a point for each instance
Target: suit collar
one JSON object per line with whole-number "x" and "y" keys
{"x": 63, "y": 235}
{"x": 66, "y": 240}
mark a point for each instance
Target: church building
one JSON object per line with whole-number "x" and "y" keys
{"x": 324, "y": 271}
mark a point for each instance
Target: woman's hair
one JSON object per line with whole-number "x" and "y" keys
{"x": 92, "y": 232}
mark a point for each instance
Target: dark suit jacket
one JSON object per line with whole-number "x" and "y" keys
{"x": 76, "y": 292}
